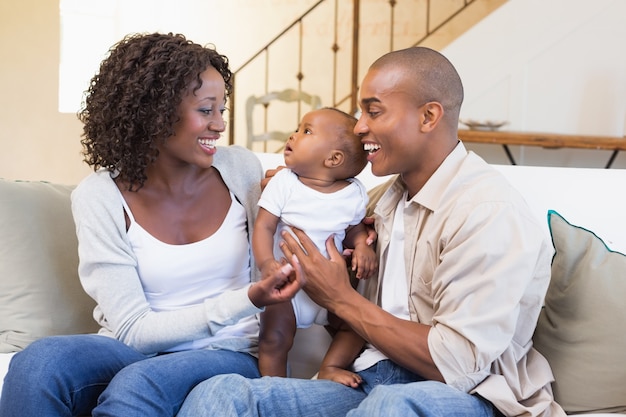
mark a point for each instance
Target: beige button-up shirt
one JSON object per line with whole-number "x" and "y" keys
{"x": 477, "y": 268}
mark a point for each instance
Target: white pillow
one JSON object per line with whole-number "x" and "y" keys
{"x": 40, "y": 293}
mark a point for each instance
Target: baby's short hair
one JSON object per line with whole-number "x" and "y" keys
{"x": 350, "y": 144}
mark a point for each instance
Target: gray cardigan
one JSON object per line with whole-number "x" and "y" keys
{"x": 108, "y": 266}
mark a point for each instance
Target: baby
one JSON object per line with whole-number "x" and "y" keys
{"x": 317, "y": 193}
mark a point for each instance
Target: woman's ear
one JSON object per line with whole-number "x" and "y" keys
{"x": 335, "y": 159}
{"x": 432, "y": 113}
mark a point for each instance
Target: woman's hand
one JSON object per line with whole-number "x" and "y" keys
{"x": 276, "y": 286}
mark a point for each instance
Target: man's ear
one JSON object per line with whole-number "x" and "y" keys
{"x": 335, "y": 159}
{"x": 432, "y": 113}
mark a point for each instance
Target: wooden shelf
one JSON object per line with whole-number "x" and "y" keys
{"x": 545, "y": 140}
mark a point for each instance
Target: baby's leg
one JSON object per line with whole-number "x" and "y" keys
{"x": 278, "y": 328}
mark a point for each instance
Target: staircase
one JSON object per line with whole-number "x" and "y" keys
{"x": 328, "y": 49}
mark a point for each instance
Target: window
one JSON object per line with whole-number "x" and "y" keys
{"x": 90, "y": 27}
{"x": 87, "y": 32}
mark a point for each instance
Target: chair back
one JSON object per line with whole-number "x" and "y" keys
{"x": 286, "y": 96}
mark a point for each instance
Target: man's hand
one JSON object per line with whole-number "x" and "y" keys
{"x": 269, "y": 174}
{"x": 324, "y": 280}
{"x": 371, "y": 231}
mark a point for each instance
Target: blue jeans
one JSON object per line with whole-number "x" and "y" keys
{"x": 387, "y": 390}
{"x": 72, "y": 375}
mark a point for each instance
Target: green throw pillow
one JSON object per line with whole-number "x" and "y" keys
{"x": 582, "y": 328}
{"x": 40, "y": 294}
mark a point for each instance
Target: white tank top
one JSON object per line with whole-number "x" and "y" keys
{"x": 176, "y": 276}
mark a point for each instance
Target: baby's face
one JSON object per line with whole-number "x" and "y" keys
{"x": 316, "y": 136}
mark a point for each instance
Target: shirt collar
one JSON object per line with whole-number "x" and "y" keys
{"x": 431, "y": 193}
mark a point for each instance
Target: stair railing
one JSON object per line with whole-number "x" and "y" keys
{"x": 337, "y": 72}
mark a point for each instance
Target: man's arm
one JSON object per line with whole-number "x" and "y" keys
{"x": 326, "y": 281}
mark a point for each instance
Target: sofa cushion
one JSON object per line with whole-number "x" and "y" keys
{"x": 582, "y": 328}
{"x": 40, "y": 293}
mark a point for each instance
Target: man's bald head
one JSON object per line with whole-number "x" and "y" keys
{"x": 429, "y": 76}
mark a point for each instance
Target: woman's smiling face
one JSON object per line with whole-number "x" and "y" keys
{"x": 201, "y": 122}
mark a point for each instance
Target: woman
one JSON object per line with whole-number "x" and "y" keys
{"x": 163, "y": 228}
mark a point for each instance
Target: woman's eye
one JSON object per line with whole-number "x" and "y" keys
{"x": 307, "y": 131}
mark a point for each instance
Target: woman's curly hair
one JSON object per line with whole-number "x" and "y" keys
{"x": 133, "y": 100}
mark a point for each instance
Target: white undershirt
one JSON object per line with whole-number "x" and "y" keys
{"x": 394, "y": 291}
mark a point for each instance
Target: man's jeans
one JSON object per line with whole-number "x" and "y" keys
{"x": 387, "y": 390}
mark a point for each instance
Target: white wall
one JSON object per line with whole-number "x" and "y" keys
{"x": 544, "y": 65}
{"x": 547, "y": 66}
{"x": 237, "y": 28}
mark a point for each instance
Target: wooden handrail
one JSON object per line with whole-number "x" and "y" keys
{"x": 544, "y": 140}
{"x": 347, "y": 100}
{"x": 277, "y": 37}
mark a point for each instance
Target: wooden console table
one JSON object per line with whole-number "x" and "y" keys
{"x": 545, "y": 140}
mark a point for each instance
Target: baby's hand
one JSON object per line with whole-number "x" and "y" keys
{"x": 364, "y": 261}
{"x": 341, "y": 376}
{"x": 269, "y": 268}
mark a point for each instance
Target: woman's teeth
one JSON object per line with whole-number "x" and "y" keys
{"x": 209, "y": 143}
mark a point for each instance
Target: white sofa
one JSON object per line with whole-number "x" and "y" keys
{"x": 582, "y": 330}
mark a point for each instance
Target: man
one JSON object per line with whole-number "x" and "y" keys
{"x": 463, "y": 271}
